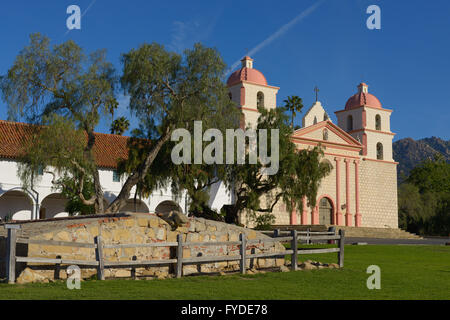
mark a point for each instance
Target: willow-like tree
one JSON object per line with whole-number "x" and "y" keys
{"x": 67, "y": 91}
{"x": 169, "y": 91}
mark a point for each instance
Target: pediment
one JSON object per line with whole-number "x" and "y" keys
{"x": 335, "y": 134}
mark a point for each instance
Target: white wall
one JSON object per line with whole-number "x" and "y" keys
{"x": 25, "y": 205}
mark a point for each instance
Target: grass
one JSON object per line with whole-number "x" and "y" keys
{"x": 407, "y": 272}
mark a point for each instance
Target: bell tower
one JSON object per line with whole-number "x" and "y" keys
{"x": 367, "y": 121}
{"x": 249, "y": 89}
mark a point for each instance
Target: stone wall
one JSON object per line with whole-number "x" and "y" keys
{"x": 139, "y": 228}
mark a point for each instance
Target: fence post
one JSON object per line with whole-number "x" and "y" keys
{"x": 341, "y": 248}
{"x": 57, "y": 269}
{"x": 11, "y": 253}
{"x": 242, "y": 251}
{"x": 276, "y": 233}
{"x": 252, "y": 260}
{"x": 100, "y": 259}
{"x": 294, "y": 258}
{"x": 308, "y": 236}
{"x": 179, "y": 270}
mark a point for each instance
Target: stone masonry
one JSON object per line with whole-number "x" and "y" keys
{"x": 138, "y": 228}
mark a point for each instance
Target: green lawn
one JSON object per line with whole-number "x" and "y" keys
{"x": 407, "y": 272}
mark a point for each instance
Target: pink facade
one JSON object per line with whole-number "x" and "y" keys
{"x": 338, "y": 192}
{"x": 357, "y": 213}
{"x": 348, "y": 214}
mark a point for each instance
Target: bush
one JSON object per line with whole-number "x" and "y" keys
{"x": 264, "y": 221}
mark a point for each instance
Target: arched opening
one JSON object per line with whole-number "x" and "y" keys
{"x": 15, "y": 205}
{"x": 325, "y": 134}
{"x": 167, "y": 206}
{"x": 315, "y": 120}
{"x": 53, "y": 206}
{"x": 260, "y": 99}
{"x": 379, "y": 151}
{"x": 326, "y": 211}
{"x": 135, "y": 205}
{"x": 349, "y": 123}
{"x": 378, "y": 122}
{"x": 325, "y": 117}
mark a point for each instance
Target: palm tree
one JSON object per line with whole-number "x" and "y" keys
{"x": 293, "y": 104}
{"x": 119, "y": 126}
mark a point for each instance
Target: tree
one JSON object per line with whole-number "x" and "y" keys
{"x": 293, "y": 104}
{"x": 119, "y": 126}
{"x": 424, "y": 198}
{"x": 167, "y": 92}
{"x": 298, "y": 176}
{"x": 67, "y": 91}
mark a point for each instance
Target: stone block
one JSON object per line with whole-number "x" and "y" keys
{"x": 121, "y": 235}
{"x": 200, "y": 226}
{"x": 186, "y": 253}
{"x": 128, "y": 223}
{"x": 160, "y": 234}
{"x": 142, "y": 222}
{"x": 122, "y": 273}
{"x": 63, "y": 236}
{"x": 172, "y": 236}
{"x": 154, "y": 222}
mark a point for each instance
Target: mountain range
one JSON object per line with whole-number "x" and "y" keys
{"x": 409, "y": 152}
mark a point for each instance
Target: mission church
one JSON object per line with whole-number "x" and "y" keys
{"x": 360, "y": 191}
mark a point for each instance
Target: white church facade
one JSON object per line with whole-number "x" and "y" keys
{"x": 360, "y": 191}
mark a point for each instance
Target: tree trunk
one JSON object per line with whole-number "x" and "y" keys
{"x": 99, "y": 198}
{"x": 140, "y": 173}
{"x": 99, "y": 202}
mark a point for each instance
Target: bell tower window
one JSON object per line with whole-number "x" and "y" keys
{"x": 349, "y": 123}
{"x": 379, "y": 151}
{"x": 260, "y": 100}
{"x": 377, "y": 122}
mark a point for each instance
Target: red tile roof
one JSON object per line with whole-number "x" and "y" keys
{"x": 108, "y": 148}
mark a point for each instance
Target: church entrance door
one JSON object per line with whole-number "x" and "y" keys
{"x": 325, "y": 211}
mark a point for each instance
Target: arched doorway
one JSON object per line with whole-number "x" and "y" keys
{"x": 167, "y": 206}
{"x": 15, "y": 205}
{"x": 53, "y": 206}
{"x": 135, "y": 205}
{"x": 325, "y": 211}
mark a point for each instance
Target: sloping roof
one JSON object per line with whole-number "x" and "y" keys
{"x": 349, "y": 140}
{"x": 108, "y": 148}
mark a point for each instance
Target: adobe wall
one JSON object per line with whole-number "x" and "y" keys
{"x": 139, "y": 228}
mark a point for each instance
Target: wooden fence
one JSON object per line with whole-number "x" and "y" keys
{"x": 100, "y": 263}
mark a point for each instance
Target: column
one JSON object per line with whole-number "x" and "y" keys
{"x": 348, "y": 215}
{"x": 357, "y": 213}
{"x": 293, "y": 214}
{"x": 315, "y": 215}
{"x": 338, "y": 193}
{"x": 304, "y": 212}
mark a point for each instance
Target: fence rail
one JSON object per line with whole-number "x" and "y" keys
{"x": 100, "y": 263}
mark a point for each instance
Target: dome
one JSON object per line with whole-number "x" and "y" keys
{"x": 247, "y": 73}
{"x": 362, "y": 98}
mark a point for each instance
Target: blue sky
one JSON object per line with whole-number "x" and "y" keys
{"x": 406, "y": 64}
